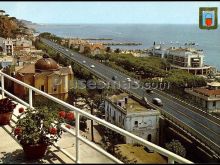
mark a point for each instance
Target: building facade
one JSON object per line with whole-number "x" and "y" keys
{"x": 185, "y": 58}
{"x": 6, "y": 61}
{"x": 6, "y": 46}
{"x": 46, "y": 75}
{"x": 207, "y": 97}
{"x": 130, "y": 115}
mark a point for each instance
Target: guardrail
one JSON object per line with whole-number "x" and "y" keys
{"x": 171, "y": 156}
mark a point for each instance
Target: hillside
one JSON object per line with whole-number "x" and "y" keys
{"x": 10, "y": 27}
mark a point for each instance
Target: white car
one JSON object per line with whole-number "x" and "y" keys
{"x": 128, "y": 79}
{"x": 92, "y": 66}
{"x": 67, "y": 50}
{"x": 84, "y": 61}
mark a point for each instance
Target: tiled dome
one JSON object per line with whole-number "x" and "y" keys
{"x": 46, "y": 64}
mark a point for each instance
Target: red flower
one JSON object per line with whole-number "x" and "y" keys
{"x": 62, "y": 114}
{"x": 70, "y": 116}
{"x": 68, "y": 126}
{"x": 21, "y": 110}
{"x": 53, "y": 131}
{"x": 17, "y": 131}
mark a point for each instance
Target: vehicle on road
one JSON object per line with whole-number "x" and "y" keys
{"x": 129, "y": 79}
{"x": 92, "y": 66}
{"x": 84, "y": 61}
{"x": 67, "y": 50}
{"x": 135, "y": 83}
{"x": 72, "y": 54}
{"x": 114, "y": 78}
{"x": 157, "y": 102}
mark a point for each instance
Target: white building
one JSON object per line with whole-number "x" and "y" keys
{"x": 22, "y": 42}
{"x": 2, "y": 12}
{"x": 6, "y": 61}
{"x": 6, "y": 46}
{"x": 208, "y": 97}
{"x": 186, "y": 58}
{"x": 130, "y": 115}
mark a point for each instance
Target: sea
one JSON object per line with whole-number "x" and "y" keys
{"x": 208, "y": 40}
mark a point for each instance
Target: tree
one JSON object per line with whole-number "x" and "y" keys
{"x": 108, "y": 49}
{"x": 176, "y": 147}
{"x": 117, "y": 50}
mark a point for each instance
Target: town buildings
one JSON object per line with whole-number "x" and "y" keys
{"x": 46, "y": 75}
{"x": 6, "y": 61}
{"x": 75, "y": 43}
{"x": 208, "y": 97}
{"x": 129, "y": 114}
{"x": 92, "y": 48}
{"x": 6, "y": 46}
{"x": 186, "y": 58}
{"x": 2, "y": 12}
{"x": 16, "y": 46}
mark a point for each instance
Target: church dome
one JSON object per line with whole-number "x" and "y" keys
{"x": 46, "y": 64}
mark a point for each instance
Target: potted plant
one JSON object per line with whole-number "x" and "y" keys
{"x": 6, "y": 110}
{"x": 38, "y": 128}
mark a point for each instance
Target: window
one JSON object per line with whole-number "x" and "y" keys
{"x": 136, "y": 123}
{"x": 149, "y": 137}
{"x": 54, "y": 89}
{"x": 214, "y": 103}
{"x": 42, "y": 88}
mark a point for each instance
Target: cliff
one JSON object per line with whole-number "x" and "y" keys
{"x": 10, "y": 27}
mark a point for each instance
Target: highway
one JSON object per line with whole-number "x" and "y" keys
{"x": 207, "y": 130}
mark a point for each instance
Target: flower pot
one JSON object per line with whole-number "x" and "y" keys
{"x": 5, "y": 118}
{"x": 34, "y": 151}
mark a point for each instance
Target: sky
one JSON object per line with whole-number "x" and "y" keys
{"x": 107, "y": 12}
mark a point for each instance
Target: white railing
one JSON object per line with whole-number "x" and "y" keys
{"x": 172, "y": 158}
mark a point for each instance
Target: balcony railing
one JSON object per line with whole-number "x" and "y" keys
{"x": 172, "y": 157}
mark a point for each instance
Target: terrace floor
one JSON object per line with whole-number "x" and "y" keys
{"x": 12, "y": 152}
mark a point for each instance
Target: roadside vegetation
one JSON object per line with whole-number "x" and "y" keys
{"x": 146, "y": 69}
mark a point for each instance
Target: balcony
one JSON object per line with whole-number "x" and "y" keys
{"x": 73, "y": 147}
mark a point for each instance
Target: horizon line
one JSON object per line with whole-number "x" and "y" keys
{"x": 115, "y": 23}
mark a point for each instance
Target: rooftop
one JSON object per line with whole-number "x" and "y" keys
{"x": 131, "y": 106}
{"x": 214, "y": 84}
{"x": 46, "y": 64}
{"x": 207, "y": 92}
{"x": 137, "y": 154}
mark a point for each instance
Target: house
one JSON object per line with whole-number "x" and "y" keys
{"x": 92, "y": 48}
{"x": 208, "y": 97}
{"x": 131, "y": 115}
{"x": 75, "y": 43}
{"x": 96, "y": 49}
{"x": 26, "y": 59}
{"x": 46, "y": 75}
{"x": 6, "y": 61}
{"x": 22, "y": 45}
{"x": 2, "y": 12}
{"x": 6, "y": 46}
